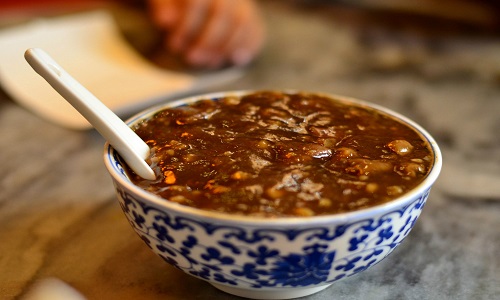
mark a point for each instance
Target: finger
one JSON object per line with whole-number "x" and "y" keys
{"x": 192, "y": 17}
{"x": 214, "y": 33}
{"x": 235, "y": 39}
{"x": 246, "y": 39}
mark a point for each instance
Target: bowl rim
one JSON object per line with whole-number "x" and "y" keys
{"x": 160, "y": 202}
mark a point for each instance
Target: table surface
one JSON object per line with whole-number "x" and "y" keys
{"x": 59, "y": 217}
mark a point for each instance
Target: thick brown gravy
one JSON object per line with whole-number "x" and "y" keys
{"x": 274, "y": 154}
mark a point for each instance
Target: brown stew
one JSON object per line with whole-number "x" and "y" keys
{"x": 275, "y": 154}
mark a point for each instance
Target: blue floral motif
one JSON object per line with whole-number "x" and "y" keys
{"x": 262, "y": 254}
{"x": 138, "y": 219}
{"x": 118, "y": 164}
{"x": 214, "y": 253}
{"x": 249, "y": 271}
{"x": 174, "y": 223}
{"x": 212, "y": 267}
{"x": 303, "y": 270}
{"x": 230, "y": 246}
{"x": 355, "y": 241}
{"x": 384, "y": 234}
{"x": 362, "y": 268}
{"x": 350, "y": 264}
{"x": 167, "y": 250}
{"x": 220, "y": 278}
{"x": 326, "y": 235}
{"x": 146, "y": 240}
{"x": 375, "y": 252}
{"x": 257, "y": 236}
{"x": 373, "y": 225}
{"x": 204, "y": 273}
{"x": 171, "y": 261}
{"x": 190, "y": 241}
{"x": 162, "y": 233}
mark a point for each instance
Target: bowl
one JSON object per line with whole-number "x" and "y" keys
{"x": 263, "y": 258}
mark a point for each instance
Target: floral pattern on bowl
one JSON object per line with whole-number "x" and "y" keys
{"x": 247, "y": 258}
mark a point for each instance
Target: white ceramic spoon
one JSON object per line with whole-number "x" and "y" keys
{"x": 130, "y": 146}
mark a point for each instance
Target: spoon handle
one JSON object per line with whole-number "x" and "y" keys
{"x": 130, "y": 146}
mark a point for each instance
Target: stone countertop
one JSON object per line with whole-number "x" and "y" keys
{"x": 59, "y": 217}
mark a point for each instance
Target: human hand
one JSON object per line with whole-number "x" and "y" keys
{"x": 210, "y": 33}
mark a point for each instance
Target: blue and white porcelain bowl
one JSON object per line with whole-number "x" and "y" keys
{"x": 269, "y": 258}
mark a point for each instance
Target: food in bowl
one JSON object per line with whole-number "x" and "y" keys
{"x": 277, "y": 154}
{"x": 264, "y": 254}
